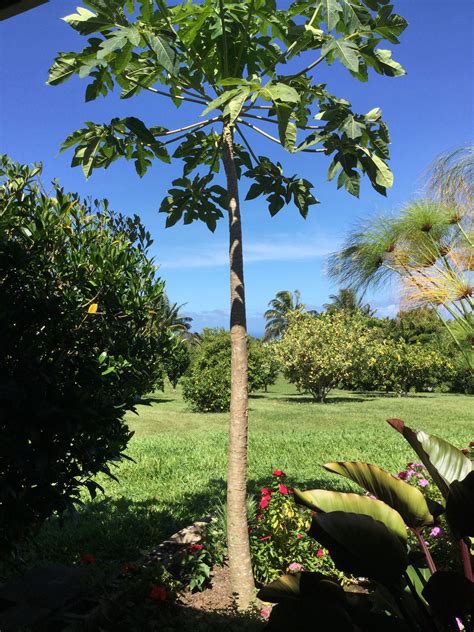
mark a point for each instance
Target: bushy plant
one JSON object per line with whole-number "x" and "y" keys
{"x": 263, "y": 365}
{"x": 80, "y": 307}
{"x": 395, "y": 365}
{"x": 319, "y": 352}
{"x": 207, "y": 384}
{"x": 278, "y": 535}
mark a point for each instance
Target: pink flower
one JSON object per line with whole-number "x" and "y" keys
{"x": 88, "y": 558}
{"x": 423, "y": 482}
{"x": 266, "y": 491}
{"x": 158, "y": 593}
{"x": 283, "y": 489}
{"x": 299, "y": 536}
{"x": 465, "y": 450}
{"x": 265, "y": 537}
{"x": 320, "y": 553}
{"x": 402, "y": 475}
{"x": 264, "y": 502}
{"x": 295, "y": 567}
{"x": 265, "y": 613}
{"x": 436, "y": 532}
{"x": 279, "y": 473}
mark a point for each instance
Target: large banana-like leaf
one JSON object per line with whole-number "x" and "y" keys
{"x": 285, "y": 587}
{"x": 361, "y": 545}
{"x": 450, "y": 594}
{"x": 327, "y": 501}
{"x": 460, "y": 507}
{"x": 444, "y": 462}
{"x": 407, "y": 500}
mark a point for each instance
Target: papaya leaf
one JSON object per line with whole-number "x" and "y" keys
{"x": 460, "y": 506}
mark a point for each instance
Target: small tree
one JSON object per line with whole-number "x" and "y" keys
{"x": 230, "y": 59}
{"x": 319, "y": 352}
{"x": 82, "y": 336}
{"x": 263, "y": 365}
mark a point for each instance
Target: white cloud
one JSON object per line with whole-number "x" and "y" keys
{"x": 279, "y": 248}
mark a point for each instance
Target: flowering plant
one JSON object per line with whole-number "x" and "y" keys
{"x": 278, "y": 535}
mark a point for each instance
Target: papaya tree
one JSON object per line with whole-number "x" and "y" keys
{"x": 240, "y": 69}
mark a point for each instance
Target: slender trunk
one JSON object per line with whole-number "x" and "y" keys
{"x": 237, "y": 528}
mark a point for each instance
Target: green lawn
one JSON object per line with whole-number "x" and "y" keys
{"x": 181, "y": 461}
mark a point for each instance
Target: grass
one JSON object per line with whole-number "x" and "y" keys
{"x": 180, "y": 465}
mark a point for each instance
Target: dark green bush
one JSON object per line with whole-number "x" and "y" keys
{"x": 81, "y": 338}
{"x": 178, "y": 361}
{"x": 206, "y": 387}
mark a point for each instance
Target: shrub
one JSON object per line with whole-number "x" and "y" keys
{"x": 80, "y": 309}
{"x": 207, "y": 384}
{"x": 319, "y": 352}
{"x": 398, "y": 366}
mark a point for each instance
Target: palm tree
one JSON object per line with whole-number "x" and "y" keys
{"x": 284, "y": 303}
{"x": 429, "y": 247}
{"x": 173, "y": 320}
{"x": 347, "y": 300}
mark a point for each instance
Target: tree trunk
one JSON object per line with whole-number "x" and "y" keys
{"x": 237, "y": 528}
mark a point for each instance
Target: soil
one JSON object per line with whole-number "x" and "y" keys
{"x": 217, "y": 597}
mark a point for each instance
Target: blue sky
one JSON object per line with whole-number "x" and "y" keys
{"x": 428, "y": 111}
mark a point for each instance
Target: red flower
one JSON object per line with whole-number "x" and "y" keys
{"x": 283, "y": 489}
{"x": 266, "y": 491}
{"x": 193, "y": 548}
{"x": 265, "y": 537}
{"x": 299, "y": 536}
{"x": 88, "y": 558}
{"x": 130, "y": 568}
{"x": 320, "y": 553}
{"x": 465, "y": 450}
{"x": 264, "y": 502}
{"x": 278, "y": 473}
{"x": 158, "y": 593}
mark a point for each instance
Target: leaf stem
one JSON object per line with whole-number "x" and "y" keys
{"x": 466, "y": 560}
{"x": 426, "y": 551}
{"x": 260, "y": 131}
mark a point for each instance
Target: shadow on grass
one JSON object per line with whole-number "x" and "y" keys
{"x": 149, "y": 400}
{"x": 307, "y": 399}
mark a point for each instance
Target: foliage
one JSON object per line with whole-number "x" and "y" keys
{"x": 346, "y": 299}
{"x": 81, "y": 337}
{"x": 231, "y": 59}
{"x": 319, "y": 352}
{"x": 398, "y": 366}
{"x": 177, "y": 361}
{"x": 278, "y": 535}
{"x": 263, "y": 365}
{"x": 207, "y": 385}
{"x": 429, "y": 246}
{"x": 364, "y": 539}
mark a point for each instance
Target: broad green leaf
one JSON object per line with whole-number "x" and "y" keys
{"x": 63, "y": 68}
{"x": 286, "y": 127}
{"x": 361, "y": 546}
{"x": 279, "y": 92}
{"x": 346, "y": 51}
{"x": 116, "y": 40}
{"x": 221, "y": 100}
{"x": 391, "y": 67}
{"x": 328, "y": 501}
{"x": 165, "y": 55}
{"x": 374, "y": 114}
{"x": 384, "y": 177}
{"x": 86, "y": 22}
{"x": 408, "y": 501}
{"x": 460, "y": 506}
{"x": 444, "y": 462}
{"x": 234, "y": 106}
{"x": 352, "y": 127}
{"x": 449, "y": 594}
{"x": 285, "y": 587}
{"x": 331, "y": 9}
